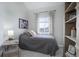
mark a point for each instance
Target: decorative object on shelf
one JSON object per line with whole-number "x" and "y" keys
{"x": 73, "y": 32}
{"x": 71, "y": 16}
{"x": 72, "y": 49}
{"x": 23, "y": 24}
{"x": 69, "y": 54}
{"x": 11, "y": 34}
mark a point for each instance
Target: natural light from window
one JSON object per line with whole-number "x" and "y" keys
{"x": 44, "y": 24}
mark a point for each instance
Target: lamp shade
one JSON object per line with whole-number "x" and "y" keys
{"x": 10, "y": 33}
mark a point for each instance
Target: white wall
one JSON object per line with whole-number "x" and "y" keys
{"x": 1, "y": 22}
{"x": 59, "y": 25}
{"x": 9, "y": 15}
{"x": 2, "y": 18}
{"x": 58, "y": 22}
{"x": 10, "y": 12}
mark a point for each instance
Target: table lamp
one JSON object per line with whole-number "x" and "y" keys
{"x": 11, "y": 34}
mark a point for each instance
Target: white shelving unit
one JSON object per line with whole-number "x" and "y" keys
{"x": 70, "y": 22}
{"x": 68, "y": 25}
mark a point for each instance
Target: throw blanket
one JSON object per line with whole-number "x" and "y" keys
{"x": 39, "y": 44}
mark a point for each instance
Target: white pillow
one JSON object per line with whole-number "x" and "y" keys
{"x": 32, "y": 33}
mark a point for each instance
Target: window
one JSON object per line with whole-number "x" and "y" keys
{"x": 43, "y": 23}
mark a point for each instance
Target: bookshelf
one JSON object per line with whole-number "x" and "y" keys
{"x": 70, "y": 22}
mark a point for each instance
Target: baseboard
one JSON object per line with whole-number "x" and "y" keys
{"x": 61, "y": 45}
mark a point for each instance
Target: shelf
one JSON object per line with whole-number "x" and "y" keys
{"x": 70, "y": 7}
{"x": 71, "y": 38}
{"x": 71, "y": 20}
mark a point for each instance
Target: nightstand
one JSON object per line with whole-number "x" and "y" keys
{"x": 1, "y": 51}
{"x": 11, "y": 48}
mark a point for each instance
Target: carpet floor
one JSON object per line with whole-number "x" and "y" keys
{"x": 26, "y": 53}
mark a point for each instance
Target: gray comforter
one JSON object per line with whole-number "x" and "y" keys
{"x": 39, "y": 44}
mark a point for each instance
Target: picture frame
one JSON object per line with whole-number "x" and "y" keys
{"x": 23, "y": 24}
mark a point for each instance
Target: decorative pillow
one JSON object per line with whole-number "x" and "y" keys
{"x": 27, "y": 34}
{"x": 32, "y": 33}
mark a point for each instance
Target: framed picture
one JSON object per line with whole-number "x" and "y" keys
{"x": 23, "y": 24}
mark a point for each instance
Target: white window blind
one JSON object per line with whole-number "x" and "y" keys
{"x": 43, "y": 23}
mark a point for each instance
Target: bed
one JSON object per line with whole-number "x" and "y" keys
{"x": 39, "y": 43}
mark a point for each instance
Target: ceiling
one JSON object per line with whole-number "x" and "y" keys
{"x": 37, "y": 5}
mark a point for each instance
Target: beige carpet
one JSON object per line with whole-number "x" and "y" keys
{"x": 26, "y": 53}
